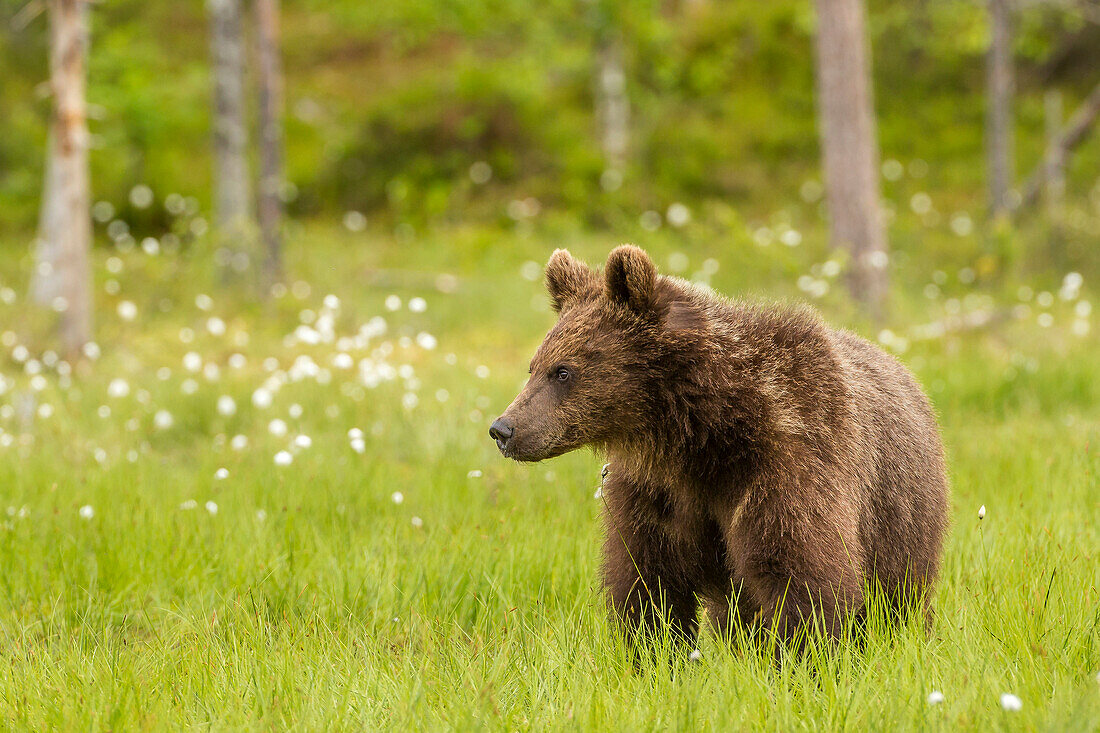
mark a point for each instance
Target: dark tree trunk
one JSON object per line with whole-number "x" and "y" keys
{"x": 1001, "y": 87}
{"x": 1055, "y": 158}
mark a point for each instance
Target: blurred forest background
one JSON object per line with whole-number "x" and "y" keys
{"x": 424, "y": 114}
{"x": 268, "y": 270}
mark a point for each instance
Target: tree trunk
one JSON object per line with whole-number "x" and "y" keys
{"x": 271, "y": 138}
{"x": 612, "y": 105}
{"x": 1075, "y": 132}
{"x": 849, "y": 147}
{"x": 1001, "y": 87}
{"x": 62, "y": 276}
{"x": 231, "y": 190}
{"x": 1055, "y": 159}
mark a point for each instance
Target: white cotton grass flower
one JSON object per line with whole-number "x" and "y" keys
{"x": 981, "y": 512}
{"x": 283, "y": 458}
{"x": 211, "y": 507}
{"x": 935, "y": 697}
{"x": 239, "y": 442}
{"x": 1011, "y": 703}
{"x": 418, "y": 305}
{"x": 237, "y": 361}
{"x": 262, "y": 398}
{"x": 277, "y": 427}
{"x": 355, "y": 434}
{"x": 189, "y": 505}
{"x": 118, "y": 388}
{"x": 87, "y": 512}
{"x": 354, "y": 221}
{"x": 397, "y": 497}
{"x": 192, "y": 361}
{"x": 226, "y": 406}
{"x": 221, "y": 474}
{"x": 392, "y": 302}
{"x": 204, "y": 302}
{"x": 163, "y": 420}
{"x": 476, "y": 473}
{"x": 358, "y": 445}
{"x": 261, "y": 515}
{"x": 417, "y": 522}
{"x": 426, "y": 341}
{"x": 295, "y": 411}
{"x": 215, "y": 326}
{"x": 302, "y": 441}
{"x": 695, "y": 655}
{"x": 678, "y": 214}
{"x": 127, "y": 311}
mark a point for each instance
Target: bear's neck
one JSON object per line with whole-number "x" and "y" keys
{"x": 706, "y": 420}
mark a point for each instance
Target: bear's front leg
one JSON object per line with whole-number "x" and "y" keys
{"x": 646, "y": 593}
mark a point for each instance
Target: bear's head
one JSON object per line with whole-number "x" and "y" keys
{"x": 595, "y": 378}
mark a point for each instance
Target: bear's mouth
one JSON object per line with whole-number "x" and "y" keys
{"x": 523, "y": 454}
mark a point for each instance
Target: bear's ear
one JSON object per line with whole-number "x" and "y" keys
{"x": 631, "y": 277}
{"x": 567, "y": 279}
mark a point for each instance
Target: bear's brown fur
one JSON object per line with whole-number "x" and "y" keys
{"x": 760, "y": 460}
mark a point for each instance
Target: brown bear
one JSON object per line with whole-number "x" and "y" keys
{"x": 759, "y": 460}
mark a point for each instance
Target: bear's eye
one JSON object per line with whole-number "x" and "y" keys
{"x": 562, "y": 374}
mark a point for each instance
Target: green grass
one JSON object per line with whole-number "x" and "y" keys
{"x": 333, "y": 611}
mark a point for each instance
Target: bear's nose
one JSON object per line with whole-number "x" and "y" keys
{"x": 501, "y": 431}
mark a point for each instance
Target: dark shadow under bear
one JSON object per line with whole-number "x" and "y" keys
{"x": 759, "y": 459}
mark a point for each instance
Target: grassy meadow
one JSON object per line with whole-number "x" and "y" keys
{"x": 289, "y": 516}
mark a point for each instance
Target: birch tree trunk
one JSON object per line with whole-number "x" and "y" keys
{"x": 1000, "y": 89}
{"x": 849, "y": 147}
{"x": 612, "y": 105}
{"x": 231, "y": 188}
{"x": 62, "y": 275}
{"x": 271, "y": 138}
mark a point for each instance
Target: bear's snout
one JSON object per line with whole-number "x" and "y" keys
{"x": 502, "y": 431}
